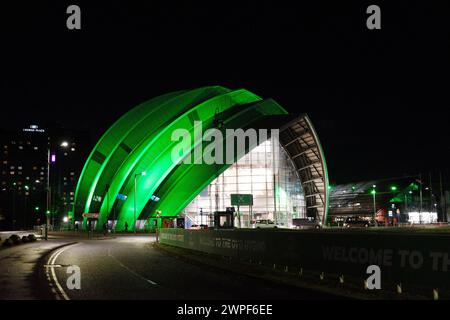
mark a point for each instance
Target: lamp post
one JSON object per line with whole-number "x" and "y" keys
{"x": 394, "y": 213}
{"x": 143, "y": 173}
{"x": 27, "y": 188}
{"x": 51, "y": 158}
{"x": 14, "y": 207}
{"x": 158, "y": 214}
{"x": 374, "y": 193}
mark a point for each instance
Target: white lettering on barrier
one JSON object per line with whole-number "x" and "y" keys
{"x": 414, "y": 259}
{"x": 358, "y": 255}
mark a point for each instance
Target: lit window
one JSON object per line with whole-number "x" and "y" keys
{"x": 11, "y": 173}
{"x": 5, "y": 162}
{"x": 21, "y": 147}
{"x": 20, "y": 168}
{"x": 35, "y": 148}
{"x": 72, "y": 173}
{"x": 12, "y": 167}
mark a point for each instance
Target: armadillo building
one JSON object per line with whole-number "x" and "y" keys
{"x": 131, "y": 173}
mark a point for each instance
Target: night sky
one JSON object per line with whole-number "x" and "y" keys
{"x": 377, "y": 98}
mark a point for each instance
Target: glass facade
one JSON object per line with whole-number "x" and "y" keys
{"x": 265, "y": 172}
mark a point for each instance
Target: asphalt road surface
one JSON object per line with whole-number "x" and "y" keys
{"x": 130, "y": 268}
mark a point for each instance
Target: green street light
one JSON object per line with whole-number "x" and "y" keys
{"x": 374, "y": 192}
{"x": 36, "y": 208}
{"x": 393, "y": 188}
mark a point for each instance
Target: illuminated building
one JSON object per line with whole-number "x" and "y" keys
{"x": 132, "y": 164}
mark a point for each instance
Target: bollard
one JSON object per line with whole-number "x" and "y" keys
{"x": 322, "y": 275}
{"x": 274, "y": 266}
{"x": 399, "y": 288}
{"x": 435, "y": 294}
{"x": 286, "y": 269}
{"x": 300, "y": 273}
{"x": 341, "y": 279}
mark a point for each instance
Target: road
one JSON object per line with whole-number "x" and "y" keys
{"x": 130, "y": 268}
{"x": 18, "y": 268}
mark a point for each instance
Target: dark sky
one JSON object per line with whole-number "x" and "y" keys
{"x": 377, "y": 98}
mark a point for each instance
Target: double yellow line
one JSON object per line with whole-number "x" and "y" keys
{"x": 51, "y": 275}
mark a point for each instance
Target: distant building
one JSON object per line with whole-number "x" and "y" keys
{"x": 385, "y": 200}
{"x": 23, "y": 173}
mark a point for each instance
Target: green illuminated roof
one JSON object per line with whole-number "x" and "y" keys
{"x": 141, "y": 141}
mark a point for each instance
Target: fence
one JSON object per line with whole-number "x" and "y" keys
{"x": 415, "y": 259}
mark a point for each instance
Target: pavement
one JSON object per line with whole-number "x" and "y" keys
{"x": 6, "y": 234}
{"x": 130, "y": 267}
{"x": 17, "y": 268}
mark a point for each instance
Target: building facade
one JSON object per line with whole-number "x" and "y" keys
{"x": 133, "y": 175}
{"x": 24, "y": 176}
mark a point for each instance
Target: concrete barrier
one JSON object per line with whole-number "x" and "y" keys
{"x": 413, "y": 259}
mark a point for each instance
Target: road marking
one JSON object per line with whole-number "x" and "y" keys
{"x": 51, "y": 265}
{"x": 130, "y": 270}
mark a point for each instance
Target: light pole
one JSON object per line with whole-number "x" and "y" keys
{"x": 158, "y": 214}
{"x": 143, "y": 173}
{"x": 50, "y": 159}
{"x": 394, "y": 214}
{"x": 374, "y": 193}
{"x": 27, "y": 188}
{"x": 14, "y": 207}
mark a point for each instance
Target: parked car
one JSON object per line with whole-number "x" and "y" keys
{"x": 198, "y": 226}
{"x": 357, "y": 222}
{"x": 265, "y": 224}
{"x": 306, "y": 223}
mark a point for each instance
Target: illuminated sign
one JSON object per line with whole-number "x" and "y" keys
{"x": 241, "y": 199}
{"x": 33, "y": 128}
{"x": 122, "y": 197}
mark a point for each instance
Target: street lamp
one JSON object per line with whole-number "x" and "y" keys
{"x": 14, "y": 206}
{"x": 51, "y": 158}
{"x": 143, "y": 173}
{"x": 374, "y": 193}
{"x": 158, "y": 214}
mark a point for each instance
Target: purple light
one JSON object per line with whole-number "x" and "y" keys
{"x": 53, "y": 160}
